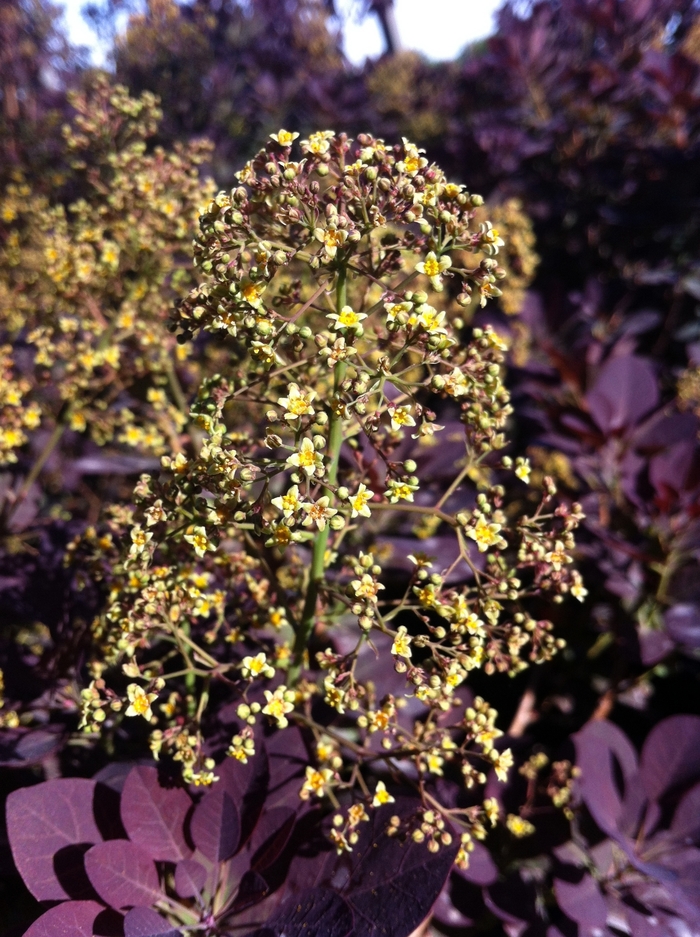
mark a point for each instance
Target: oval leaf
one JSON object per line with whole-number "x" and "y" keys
{"x": 44, "y": 819}
{"x": 318, "y": 912}
{"x": 154, "y": 816}
{"x": 144, "y": 922}
{"x": 626, "y": 389}
{"x": 671, "y": 755}
{"x": 70, "y": 919}
{"x": 190, "y": 878}
{"x": 596, "y": 744}
{"x": 582, "y": 902}
{"x": 122, "y": 874}
{"x": 215, "y": 825}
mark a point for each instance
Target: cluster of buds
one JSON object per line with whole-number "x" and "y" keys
{"x": 258, "y": 553}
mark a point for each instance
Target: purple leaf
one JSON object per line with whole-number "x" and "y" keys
{"x": 143, "y": 922}
{"x": 273, "y": 832}
{"x": 215, "y": 826}
{"x": 408, "y": 877}
{"x": 190, "y": 878}
{"x": 583, "y": 903}
{"x": 686, "y": 819}
{"x": 247, "y": 786}
{"x": 683, "y": 624}
{"x": 626, "y": 389}
{"x": 41, "y": 821}
{"x": 122, "y": 874}
{"x": 154, "y": 816}
{"x": 21, "y": 748}
{"x": 596, "y": 744}
{"x": 482, "y": 869}
{"x": 318, "y": 912}
{"x": 70, "y": 919}
{"x": 671, "y": 755}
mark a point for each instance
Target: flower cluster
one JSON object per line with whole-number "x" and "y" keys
{"x": 256, "y": 557}
{"x": 89, "y": 267}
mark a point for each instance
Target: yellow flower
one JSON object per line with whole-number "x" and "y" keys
{"x": 139, "y": 539}
{"x": 358, "y": 501}
{"x": 401, "y": 416}
{"x": 486, "y": 535}
{"x": 381, "y": 795}
{"x": 578, "y": 590}
{"x": 402, "y": 643}
{"x": 278, "y": 706}
{"x": 289, "y": 503}
{"x": 523, "y": 469}
{"x": 557, "y": 557}
{"x": 400, "y": 490}
{"x": 332, "y": 238}
{"x": 252, "y": 293}
{"x": 366, "y": 588}
{"x": 297, "y": 403}
{"x": 139, "y": 702}
{"x": 492, "y": 810}
{"x": 413, "y": 162}
{"x": 433, "y": 268}
{"x": 318, "y": 143}
{"x": 347, "y": 319}
{"x": 199, "y": 540}
{"x": 318, "y": 512}
{"x": 306, "y": 458}
{"x": 356, "y": 815}
{"x": 315, "y": 782}
{"x": 518, "y": 826}
{"x": 431, "y": 320}
{"x": 252, "y": 667}
{"x": 502, "y": 764}
{"x": 284, "y": 137}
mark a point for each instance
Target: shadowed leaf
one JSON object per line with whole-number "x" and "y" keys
{"x": 154, "y": 816}
{"x": 215, "y": 825}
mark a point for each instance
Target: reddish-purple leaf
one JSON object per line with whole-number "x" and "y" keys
{"x": 41, "y": 821}
{"x": 144, "y": 922}
{"x": 215, "y": 826}
{"x": 70, "y": 919}
{"x": 686, "y": 819}
{"x": 122, "y": 874}
{"x": 596, "y": 744}
{"x": 20, "y": 748}
{"x": 154, "y": 816}
{"x": 190, "y": 878}
{"x": 626, "y": 389}
{"x": 682, "y": 623}
{"x": 271, "y": 836}
{"x": 482, "y": 870}
{"x": 583, "y": 903}
{"x": 671, "y": 755}
{"x": 318, "y": 912}
{"x": 247, "y": 786}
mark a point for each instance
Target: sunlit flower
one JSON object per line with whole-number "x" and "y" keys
{"x": 258, "y": 666}
{"x": 398, "y": 490}
{"x": 402, "y": 643}
{"x": 139, "y": 702}
{"x": 433, "y": 268}
{"x": 318, "y": 512}
{"x": 288, "y": 503}
{"x": 278, "y": 706}
{"x": 306, "y": 458}
{"x": 347, "y": 318}
{"x": 332, "y": 238}
{"x": 485, "y": 534}
{"x": 284, "y": 137}
{"x": 401, "y": 416}
{"x": 297, "y": 403}
{"x": 199, "y": 540}
{"x": 315, "y": 782}
{"x": 359, "y": 501}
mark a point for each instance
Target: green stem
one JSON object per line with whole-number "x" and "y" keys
{"x": 335, "y": 441}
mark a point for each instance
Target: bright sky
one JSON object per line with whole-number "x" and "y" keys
{"x": 438, "y": 28}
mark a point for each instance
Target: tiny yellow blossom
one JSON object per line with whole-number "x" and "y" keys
{"x": 401, "y": 416}
{"x": 284, "y": 137}
{"x": 433, "y": 268}
{"x": 400, "y": 490}
{"x": 288, "y": 503}
{"x": 402, "y": 643}
{"x": 278, "y": 706}
{"x": 381, "y": 795}
{"x": 332, "y": 238}
{"x": 523, "y": 469}
{"x": 199, "y": 540}
{"x": 315, "y": 782}
{"x": 347, "y": 318}
{"x": 502, "y": 764}
{"x": 318, "y": 512}
{"x": 518, "y": 826}
{"x": 306, "y": 458}
{"x": 139, "y": 702}
{"x": 297, "y": 403}
{"x": 258, "y": 666}
{"x": 486, "y": 535}
{"x": 358, "y": 501}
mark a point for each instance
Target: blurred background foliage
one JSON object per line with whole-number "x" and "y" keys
{"x": 579, "y": 122}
